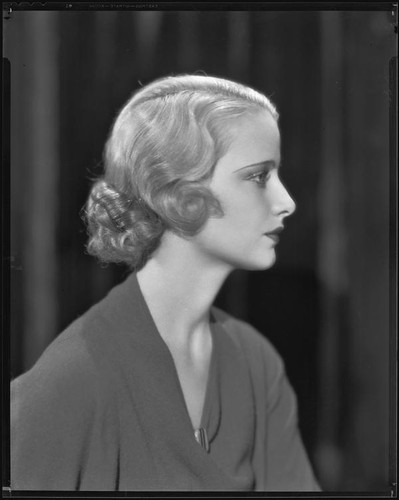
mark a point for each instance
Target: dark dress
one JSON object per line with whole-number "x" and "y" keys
{"x": 103, "y": 409}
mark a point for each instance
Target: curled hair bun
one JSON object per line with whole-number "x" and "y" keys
{"x": 115, "y": 203}
{"x": 121, "y": 228}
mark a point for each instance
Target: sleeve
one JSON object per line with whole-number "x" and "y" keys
{"x": 287, "y": 465}
{"x": 51, "y": 410}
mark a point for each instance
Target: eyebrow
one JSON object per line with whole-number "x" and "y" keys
{"x": 266, "y": 163}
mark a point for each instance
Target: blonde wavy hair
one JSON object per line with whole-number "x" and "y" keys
{"x": 162, "y": 150}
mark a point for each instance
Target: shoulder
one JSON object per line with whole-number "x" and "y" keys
{"x": 66, "y": 377}
{"x": 263, "y": 357}
{"x": 57, "y": 410}
{"x": 79, "y": 360}
{"x": 61, "y": 380}
{"x": 73, "y": 354}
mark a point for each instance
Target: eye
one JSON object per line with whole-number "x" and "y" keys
{"x": 260, "y": 177}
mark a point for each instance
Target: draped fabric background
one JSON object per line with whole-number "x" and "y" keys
{"x": 325, "y": 304}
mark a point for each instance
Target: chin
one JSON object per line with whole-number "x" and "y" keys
{"x": 260, "y": 264}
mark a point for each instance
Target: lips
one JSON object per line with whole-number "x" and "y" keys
{"x": 274, "y": 234}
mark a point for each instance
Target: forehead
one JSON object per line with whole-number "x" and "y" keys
{"x": 254, "y": 138}
{"x": 259, "y": 127}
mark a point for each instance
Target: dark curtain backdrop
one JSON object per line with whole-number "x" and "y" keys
{"x": 325, "y": 304}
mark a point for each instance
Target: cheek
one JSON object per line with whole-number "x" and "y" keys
{"x": 231, "y": 231}
{"x": 241, "y": 224}
{"x": 237, "y": 219}
{"x": 246, "y": 212}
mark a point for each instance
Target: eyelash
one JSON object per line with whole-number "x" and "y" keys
{"x": 260, "y": 178}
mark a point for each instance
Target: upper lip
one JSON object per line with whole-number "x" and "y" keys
{"x": 276, "y": 231}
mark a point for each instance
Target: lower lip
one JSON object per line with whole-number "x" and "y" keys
{"x": 273, "y": 237}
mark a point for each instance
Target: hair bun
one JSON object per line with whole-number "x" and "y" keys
{"x": 121, "y": 228}
{"x": 116, "y": 204}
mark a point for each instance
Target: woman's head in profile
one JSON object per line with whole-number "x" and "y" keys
{"x": 196, "y": 157}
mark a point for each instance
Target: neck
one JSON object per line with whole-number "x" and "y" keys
{"x": 179, "y": 286}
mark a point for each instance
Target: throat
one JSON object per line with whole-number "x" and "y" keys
{"x": 194, "y": 384}
{"x": 193, "y": 372}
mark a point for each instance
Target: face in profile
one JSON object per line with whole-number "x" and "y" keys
{"x": 254, "y": 200}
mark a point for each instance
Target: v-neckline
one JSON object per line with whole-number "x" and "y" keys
{"x": 209, "y": 382}
{"x": 211, "y": 369}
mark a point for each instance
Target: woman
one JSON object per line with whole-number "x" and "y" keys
{"x": 153, "y": 388}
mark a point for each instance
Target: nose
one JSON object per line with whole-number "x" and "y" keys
{"x": 282, "y": 203}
